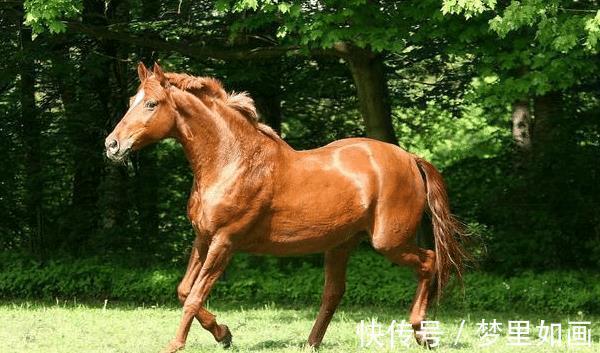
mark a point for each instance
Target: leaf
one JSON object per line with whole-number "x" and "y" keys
{"x": 56, "y": 27}
{"x": 592, "y": 26}
{"x": 250, "y": 4}
{"x": 282, "y": 31}
{"x": 30, "y": 18}
{"x": 284, "y": 7}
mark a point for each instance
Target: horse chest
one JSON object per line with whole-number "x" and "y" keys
{"x": 204, "y": 215}
{"x": 213, "y": 205}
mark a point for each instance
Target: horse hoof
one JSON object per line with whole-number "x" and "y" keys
{"x": 427, "y": 344}
{"x": 312, "y": 347}
{"x": 226, "y": 340}
{"x": 173, "y": 347}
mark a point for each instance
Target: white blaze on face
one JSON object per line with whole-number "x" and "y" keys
{"x": 139, "y": 97}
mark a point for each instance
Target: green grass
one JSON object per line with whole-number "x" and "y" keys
{"x": 70, "y": 327}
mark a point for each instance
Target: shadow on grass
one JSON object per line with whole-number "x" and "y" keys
{"x": 277, "y": 344}
{"x": 281, "y": 344}
{"x": 460, "y": 345}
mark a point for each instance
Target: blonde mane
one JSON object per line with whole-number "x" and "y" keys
{"x": 209, "y": 86}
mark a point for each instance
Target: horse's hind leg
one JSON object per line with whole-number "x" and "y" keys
{"x": 423, "y": 262}
{"x": 336, "y": 261}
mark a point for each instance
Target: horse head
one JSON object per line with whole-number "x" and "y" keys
{"x": 150, "y": 118}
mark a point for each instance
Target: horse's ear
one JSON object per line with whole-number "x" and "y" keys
{"x": 160, "y": 75}
{"x": 143, "y": 72}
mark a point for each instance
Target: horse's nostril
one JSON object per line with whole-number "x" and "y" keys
{"x": 112, "y": 145}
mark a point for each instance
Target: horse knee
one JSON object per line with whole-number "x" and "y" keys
{"x": 182, "y": 293}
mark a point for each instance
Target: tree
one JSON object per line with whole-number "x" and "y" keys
{"x": 545, "y": 50}
{"x": 30, "y": 121}
{"x": 356, "y": 31}
{"x": 469, "y": 85}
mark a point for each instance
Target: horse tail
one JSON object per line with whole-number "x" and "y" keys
{"x": 448, "y": 232}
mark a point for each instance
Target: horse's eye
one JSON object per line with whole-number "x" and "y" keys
{"x": 151, "y": 104}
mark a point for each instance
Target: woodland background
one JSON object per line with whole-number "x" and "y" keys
{"x": 502, "y": 96}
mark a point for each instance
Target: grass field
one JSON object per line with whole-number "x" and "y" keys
{"x": 71, "y": 327}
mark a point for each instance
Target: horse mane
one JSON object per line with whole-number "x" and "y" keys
{"x": 243, "y": 103}
{"x": 198, "y": 86}
{"x": 209, "y": 86}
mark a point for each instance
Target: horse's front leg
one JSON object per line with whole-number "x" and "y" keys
{"x": 218, "y": 254}
{"x": 205, "y": 318}
{"x": 197, "y": 258}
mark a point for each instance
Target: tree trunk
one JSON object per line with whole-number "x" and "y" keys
{"x": 547, "y": 130}
{"x": 521, "y": 125}
{"x": 116, "y": 189}
{"x": 269, "y": 109}
{"x": 266, "y": 91}
{"x": 368, "y": 72}
{"x": 146, "y": 178}
{"x": 87, "y": 98}
{"x": 31, "y": 137}
{"x": 150, "y": 12}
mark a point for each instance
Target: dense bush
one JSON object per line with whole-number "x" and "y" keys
{"x": 372, "y": 280}
{"x": 527, "y": 225}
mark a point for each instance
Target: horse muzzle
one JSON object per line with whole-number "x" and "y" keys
{"x": 116, "y": 151}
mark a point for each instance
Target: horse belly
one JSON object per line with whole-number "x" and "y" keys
{"x": 321, "y": 213}
{"x": 304, "y": 239}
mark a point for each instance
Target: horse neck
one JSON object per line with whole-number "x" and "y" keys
{"x": 212, "y": 137}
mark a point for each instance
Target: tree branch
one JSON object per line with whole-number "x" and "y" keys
{"x": 191, "y": 49}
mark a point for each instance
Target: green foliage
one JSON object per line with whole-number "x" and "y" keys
{"x": 324, "y": 24}
{"x": 48, "y": 14}
{"x": 454, "y": 70}
{"x": 547, "y": 45}
{"x": 528, "y": 224}
{"x": 468, "y": 8}
{"x": 372, "y": 280}
{"x": 445, "y": 139}
{"x": 592, "y": 26}
{"x": 558, "y": 27}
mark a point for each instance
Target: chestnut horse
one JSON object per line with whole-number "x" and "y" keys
{"x": 253, "y": 193}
